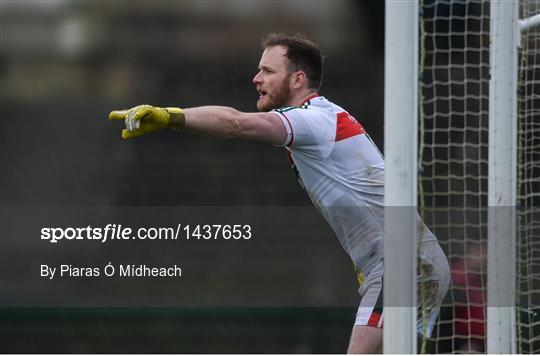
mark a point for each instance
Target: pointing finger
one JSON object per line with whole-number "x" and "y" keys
{"x": 118, "y": 115}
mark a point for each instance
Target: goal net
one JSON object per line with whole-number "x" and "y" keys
{"x": 453, "y": 162}
{"x": 528, "y": 190}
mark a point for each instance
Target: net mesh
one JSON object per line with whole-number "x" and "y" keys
{"x": 453, "y": 158}
{"x": 528, "y": 190}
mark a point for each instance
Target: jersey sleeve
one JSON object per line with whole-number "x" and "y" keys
{"x": 310, "y": 131}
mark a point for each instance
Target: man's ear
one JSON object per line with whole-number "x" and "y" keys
{"x": 298, "y": 79}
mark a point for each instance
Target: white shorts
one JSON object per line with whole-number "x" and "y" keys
{"x": 433, "y": 285}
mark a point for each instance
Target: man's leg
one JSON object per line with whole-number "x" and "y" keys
{"x": 365, "y": 340}
{"x": 366, "y": 336}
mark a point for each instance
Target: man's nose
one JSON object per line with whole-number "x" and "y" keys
{"x": 257, "y": 79}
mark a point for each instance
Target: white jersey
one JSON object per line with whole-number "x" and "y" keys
{"x": 343, "y": 172}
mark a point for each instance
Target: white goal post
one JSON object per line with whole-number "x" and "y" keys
{"x": 502, "y": 176}
{"x": 400, "y": 132}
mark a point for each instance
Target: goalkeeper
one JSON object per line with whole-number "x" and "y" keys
{"x": 334, "y": 160}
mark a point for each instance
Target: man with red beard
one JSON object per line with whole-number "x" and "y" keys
{"x": 334, "y": 159}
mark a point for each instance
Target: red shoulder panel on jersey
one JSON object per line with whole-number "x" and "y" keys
{"x": 347, "y": 126}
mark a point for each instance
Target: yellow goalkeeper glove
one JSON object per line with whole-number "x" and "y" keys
{"x": 146, "y": 118}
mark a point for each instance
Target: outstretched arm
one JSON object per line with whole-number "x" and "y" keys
{"x": 226, "y": 122}
{"x": 217, "y": 121}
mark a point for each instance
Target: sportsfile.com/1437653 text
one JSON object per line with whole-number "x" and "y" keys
{"x": 121, "y": 233}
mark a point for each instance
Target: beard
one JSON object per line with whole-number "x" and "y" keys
{"x": 278, "y": 99}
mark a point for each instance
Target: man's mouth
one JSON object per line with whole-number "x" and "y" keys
{"x": 262, "y": 93}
